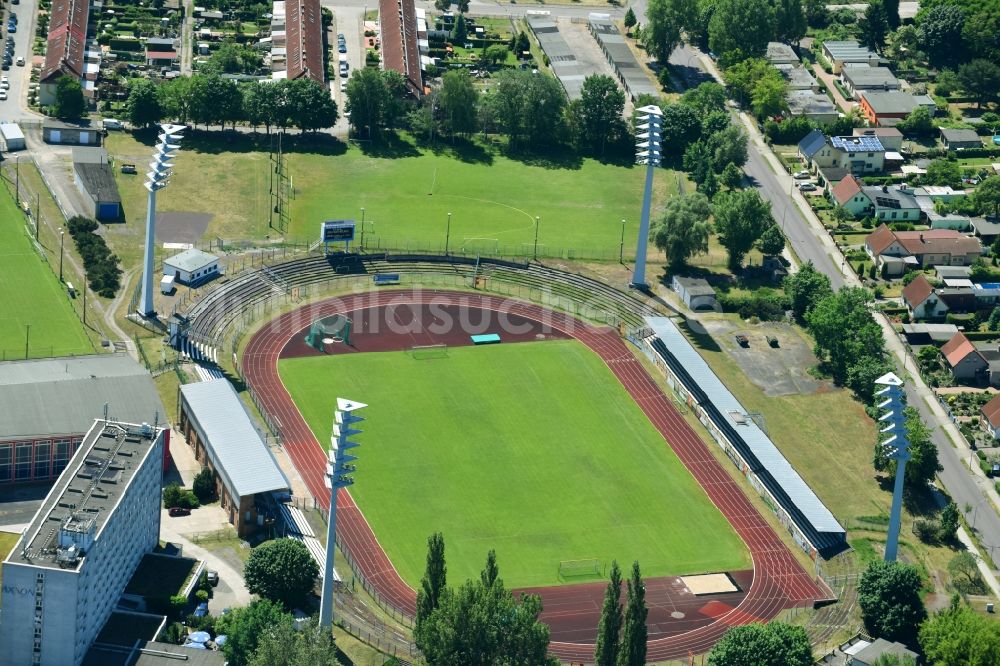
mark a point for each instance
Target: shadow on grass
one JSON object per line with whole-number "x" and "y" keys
{"x": 463, "y": 150}
{"x": 389, "y": 145}
{"x": 556, "y": 157}
{"x": 699, "y": 336}
{"x": 215, "y": 142}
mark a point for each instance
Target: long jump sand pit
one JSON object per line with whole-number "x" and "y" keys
{"x": 717, "y": 583}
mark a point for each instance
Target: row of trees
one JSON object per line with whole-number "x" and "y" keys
{"x": 210, "y": 99}
{"x": 621, "y": 633}
{"x": 733, "y": 29}
{"x": 480, "y": 622}
{"x": 99, "y": 262}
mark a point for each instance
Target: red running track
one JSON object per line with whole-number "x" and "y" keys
{"x": 779, "y": 582}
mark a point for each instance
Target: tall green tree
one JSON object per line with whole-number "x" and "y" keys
{"x": 741, "y": 29}
{"x": 600, "y": 108}
{"x": 458, "y": 101}
{"x": 281, "y": 570}
{"x": 143, "y": 107}
{"x": 368, "y": 100}
{"x": 923, "y": 464}
{"x": 768, "y": 97}
{"x": 609, "y": 629}
{"x": 215, "y": 100}
{"x": 662, "y": 32}
{"x": 940, "y": 33}
{"x": 728, "y": 146}
{"x": 69, "y": 102}
{"x": 459, "y": 32}
{"x": 846, "y": 333}
{"x": 889, "y": 597}
{"x": 789, "y": 21}
{"x": 874, "y": 26}
{"x": 284, "y": 645}
{"x": 731, "y": 176}
{"x": 632, "y": 651}
{"x": 684, "y": 229}
{"x": 981, "y": 80}
{"x": 943, "y": 172}
{"x": 959, "y": 635}
{"x": 705, "y": 98}
{"x": 805, "y": 288}
{"x": 629, "y": 20}
{"x": 175, "y": 95}
{"x": 312, "y": 107}
{"x": 526, "y": 107}
{"x": 681, "y": 126}
{"x": 987, "y": 196}
{"x": 772, "y": 241}
{"x": 434, "y": 583}
{"x": 741, "y": 218}
{"x": 481, "y": 624}
{"x": 245, "y": 627}
{"x": 772, "y": 644}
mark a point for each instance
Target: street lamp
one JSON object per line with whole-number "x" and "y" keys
{"x": 447, "y": 235}
{"x": 648, "y": 153}
{"x": 621, "y": 246}
{"x": 536, "y": 237}
{"x": 890, "y": 387}
{"x": 62, "y": 237}
{"x": 158, "y": 177}
{"x": 337, "y": 476}
{"x": 362, "y": 229}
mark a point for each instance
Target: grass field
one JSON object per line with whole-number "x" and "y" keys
{"x": 407, "y": 192}
{"x": 30, "y": 295}
{"x": 493, "y": 200}
{"x": 533, "y": 449}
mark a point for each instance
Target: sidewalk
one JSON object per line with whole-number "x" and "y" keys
{"x": 984, "y": 568}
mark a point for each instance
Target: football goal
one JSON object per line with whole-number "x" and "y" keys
{"x": 575, "y": 569}
{"x": 425, "y": 352}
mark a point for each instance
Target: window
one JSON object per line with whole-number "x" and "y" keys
{"x": 42, "y": 458}
{"x": 894, "y": 215}
{"x": 6, "y": 462}
{"x": 22, "y": 460}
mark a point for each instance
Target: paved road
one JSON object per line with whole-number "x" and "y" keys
{"x": 15, "y": 107}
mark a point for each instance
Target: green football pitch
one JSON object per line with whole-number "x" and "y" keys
{"x": 533, "y": 449}
{"x": 30, "y": 295}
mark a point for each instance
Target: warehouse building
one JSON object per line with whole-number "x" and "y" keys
{"x": 224, "y": 438}
{"x": 94, "y": 178}
{"x": 13, "y": 137}
{"x": 66, "y": 573}
{"x": 48, "y": 405}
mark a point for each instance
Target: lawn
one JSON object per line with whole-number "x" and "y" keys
{"x": 533, "y": 449}
{"x": 407, "y": 192}
{"x": 493, "y": 201}
{"x": 31, "y": 295}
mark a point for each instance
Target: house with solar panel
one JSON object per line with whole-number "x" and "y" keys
{"x": 857, "y": 154}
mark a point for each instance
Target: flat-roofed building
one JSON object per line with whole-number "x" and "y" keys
{"x": 47, "y": 405}
{"x": 223, "y": 436}
{"x": 69, "y": 568}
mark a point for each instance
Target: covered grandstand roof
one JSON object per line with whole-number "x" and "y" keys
{"x": 238, "y": 453}
{"x": 729, "y": 415}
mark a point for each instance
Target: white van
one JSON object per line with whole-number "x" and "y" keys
{"x": 112, "y": 124}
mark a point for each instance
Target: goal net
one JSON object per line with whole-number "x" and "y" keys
{"x": 426, "y": 352}
{"x": 573, "y": 569}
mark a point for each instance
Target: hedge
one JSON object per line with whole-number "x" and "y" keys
{"x": 982, "y": 335}
{"x": 765, "y": 304}
{"x": 122, "y": 44}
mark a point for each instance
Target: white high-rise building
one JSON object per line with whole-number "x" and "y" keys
{"x": 70, "y": 567}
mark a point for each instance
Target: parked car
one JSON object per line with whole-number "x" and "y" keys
{"x": 212, "y": 577}
{"x": 343, "y": 86}
{"x": 801, "y": 174}
{"x": 201, "y": 610}
{"x": 179, "y": 511}
{"x": 807, "y": 187}
{"x": 342, "y": 48}
{"x": 129, "y": 168}
{"x": 3, "y": 95}
{"x": 20, "y": 61}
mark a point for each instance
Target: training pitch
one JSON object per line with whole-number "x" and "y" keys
{"x": 533, "y": 448}
{"x": 30, "y": 295}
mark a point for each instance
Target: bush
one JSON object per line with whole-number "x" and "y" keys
{"x": 100, "y": 264}
{"x": 175, "y": 496}
{"x": 765, "y": 304}
{"x": 204, "y": 486}
{"x": 174, "y": 633}
{"x": 201, "y": 595}
{"x": 926, "y": 530}
{"x": 178, "y": 603}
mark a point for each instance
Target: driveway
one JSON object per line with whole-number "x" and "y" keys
{"x": 828, "y": 80}
{"x": 350, "y": 22}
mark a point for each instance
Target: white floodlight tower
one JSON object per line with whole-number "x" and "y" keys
{"x": 897, "y": 447}
{"x": 647, "y": 151}
{"x": 338, "y": 475}
{"x": 157, "y": 178}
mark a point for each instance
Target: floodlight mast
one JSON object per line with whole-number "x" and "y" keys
{"x": 158, "y": 177}
{"x": 647, "y": 152}
{"x": 338, "y": 475}
{"x": 889, "y": 387}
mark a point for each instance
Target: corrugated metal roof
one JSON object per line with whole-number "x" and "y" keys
{"x": 63, "y": 396}
{"x": 235, "y": 447}
{"x": 759, "y": 443}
